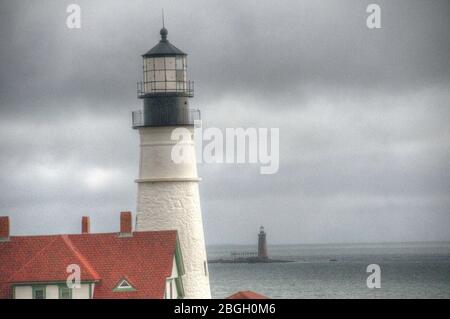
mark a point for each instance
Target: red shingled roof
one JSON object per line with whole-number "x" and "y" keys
{"x": 246, "y": 295}
{"x": 146, "y": 259}
{"x": 51, "y": 262}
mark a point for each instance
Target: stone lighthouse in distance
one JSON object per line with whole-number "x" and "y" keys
{"x": 262, "y": 245}
{"x": 168, "y": 194}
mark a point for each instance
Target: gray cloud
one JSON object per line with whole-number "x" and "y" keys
{"x": 363, "y": 114}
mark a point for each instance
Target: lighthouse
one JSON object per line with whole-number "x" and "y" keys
{"x": 262, "y": 245}
{"x": 168, "y": 194}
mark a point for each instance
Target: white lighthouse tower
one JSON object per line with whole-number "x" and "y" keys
{"x": 168, "y": 195}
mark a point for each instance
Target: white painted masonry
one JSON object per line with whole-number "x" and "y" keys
{"x": 81, "y": 293}
{"x": 52, "y": 292}
{"x": 168, "y": 198}
{"x": 156, "y": 162}
{"x": 23, "y": 292}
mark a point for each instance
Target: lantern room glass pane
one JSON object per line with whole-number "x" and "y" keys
{"x": 160, "y": 76}
{"x": 171, "y": 86}
{"x": 181, "y": 75}
{"x": 170, "y": 63}
{"x": 170, "y": 75}
{"x": 179, "y": 63}
{"x": 159, "y": 64}
{"x": 160, "y": 86}
{"x": 148, "y": 64}
{"x": 151, "y": 76}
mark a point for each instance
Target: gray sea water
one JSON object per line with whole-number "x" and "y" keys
{"x": 408, "y": 270}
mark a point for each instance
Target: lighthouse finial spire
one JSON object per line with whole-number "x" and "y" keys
{"x": 163, "y": 31}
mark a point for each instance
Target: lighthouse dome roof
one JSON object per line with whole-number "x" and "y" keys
{"x": 164, "y": 47}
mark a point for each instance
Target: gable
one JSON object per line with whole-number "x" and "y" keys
{"x": 123, "y": 285}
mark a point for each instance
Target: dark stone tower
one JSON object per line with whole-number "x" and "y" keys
{"x": 262, "y": 244}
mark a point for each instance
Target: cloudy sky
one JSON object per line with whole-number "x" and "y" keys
{"x": 363, "y": 115}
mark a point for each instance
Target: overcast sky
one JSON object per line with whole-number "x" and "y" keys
{"x": 363, "y": 115}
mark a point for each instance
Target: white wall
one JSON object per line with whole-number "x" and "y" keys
{"x": 174, "y": 268}
{"x": 52, "y": 292}
{"x": 92, "y": 291}
{"x": 81, "y": 293}
{"x": 156, "y": 155}
{"x": 23, "y": 292}
{"x": 173, "y": 288}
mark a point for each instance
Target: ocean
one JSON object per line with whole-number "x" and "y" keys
{"x": 408, "y": 270}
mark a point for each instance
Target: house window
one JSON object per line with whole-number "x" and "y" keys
{"x": 39, "y": 292}
{"x": 65, "y": 292}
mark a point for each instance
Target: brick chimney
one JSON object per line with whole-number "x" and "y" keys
{"x": 4, "y": 228}
{"x": 126, "y": 226}
{"x": 85, "y": 225}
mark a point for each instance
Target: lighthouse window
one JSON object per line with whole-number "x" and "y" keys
{"x": 149, "y": 64}
{"x": 179, "y": 63}
{"x": 170, "y": 63}
{"x": 171, "y": 84}
{"x": 159, "y": 86}
{"x": 170, "y": 75}
{"x": 160, "y": 76}
{"x": 159, "y": 64}
{"x": 150, "y": 76}
{"x": 180, "y": 75}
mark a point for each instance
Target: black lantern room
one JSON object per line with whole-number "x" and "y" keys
{"x": 165, "y": 89}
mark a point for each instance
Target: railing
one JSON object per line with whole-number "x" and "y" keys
{"x": 187, "y": 118}
{"x": 165, "y": 88}
{"x": 243, "y": 254}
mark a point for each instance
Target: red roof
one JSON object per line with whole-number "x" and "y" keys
{"x": 145, "y": 259}
{"x": 51, "y": 262}
{"x": 246, "y": 295}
